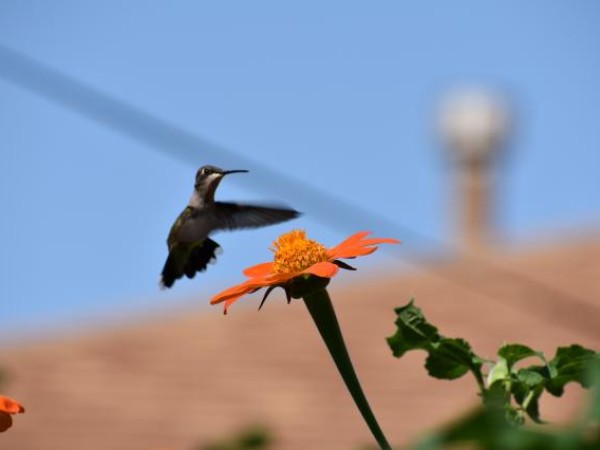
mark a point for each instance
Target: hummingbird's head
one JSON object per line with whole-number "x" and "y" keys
{"x": 208, "y": 178}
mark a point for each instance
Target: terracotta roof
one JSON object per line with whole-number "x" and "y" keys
{"x": 174, "y": 382}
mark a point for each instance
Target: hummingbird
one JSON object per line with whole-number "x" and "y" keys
{"x": 190, "y": 248}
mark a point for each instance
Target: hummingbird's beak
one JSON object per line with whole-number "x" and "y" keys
{"x": 227, "y": 172}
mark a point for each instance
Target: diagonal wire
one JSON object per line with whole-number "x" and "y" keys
{"x": 555, "y": 305}
{"x": 178, "y": 143}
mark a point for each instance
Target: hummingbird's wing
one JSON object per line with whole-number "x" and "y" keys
{"x": 231, "y": 216}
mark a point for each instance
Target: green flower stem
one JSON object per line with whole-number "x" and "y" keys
{"x": 321, "y": 310}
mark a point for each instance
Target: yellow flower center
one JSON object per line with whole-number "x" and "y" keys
{"x": 294, "y": 252}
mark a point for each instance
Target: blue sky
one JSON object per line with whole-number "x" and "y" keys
{"x": 341, "y": 95}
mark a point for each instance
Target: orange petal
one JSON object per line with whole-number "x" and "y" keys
{"x": 230, "y": 301}
{"x": 259, "y": 270}
{"x": 323, "y": 269}
{"x": 353, "y": 252}
{"x": 233, "y": 294}
{"x": 235, "y": 291}
{"x": 349, "y": 242}
{"x": 363, "y": 251}
{"x": 353, "y": 239}
{"x": 10, "y": 406}
{"x": 280, "y": 279}
{"x": 376, "y": 241}
{"x": 357, "y": 246}
{"x": 5, "y": 421}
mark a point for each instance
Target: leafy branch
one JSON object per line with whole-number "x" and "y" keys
{"x": 503, "y": 386}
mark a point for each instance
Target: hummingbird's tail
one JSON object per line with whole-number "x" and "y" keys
{"x": 201, "y": 256}
{"x": 187, "y": 262}
{"x": 170, "y": 271}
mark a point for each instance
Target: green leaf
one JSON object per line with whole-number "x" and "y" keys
{"x": 479, "y": 425}
{"x": 496, "y": 395}
{"x": 527, "y": 386}
{"x": 450, "y": 359}
{"x": 570, "y": 364}
{"x": 414, "y": 332}
{"x": 255, "y": 437}
{"x": 514, "y": 417}
{"x": 594, "y": 409}
{"x": 531, "y": 377}
{"x": 519, "y": 390}
{"x": 514, "y": 353}
{"x": 531, "y": 405}
{"x": 498, "y": 372}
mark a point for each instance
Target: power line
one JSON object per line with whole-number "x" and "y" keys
{"x": 176, "y": 142}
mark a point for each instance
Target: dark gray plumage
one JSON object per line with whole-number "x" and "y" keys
{"x": 190, "y": 248}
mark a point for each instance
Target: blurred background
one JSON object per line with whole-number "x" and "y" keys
{"x": 467, "y": 130}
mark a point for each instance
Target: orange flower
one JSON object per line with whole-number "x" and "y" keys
{"x": 8, "y": 406}
{"x": 297, "y": 256}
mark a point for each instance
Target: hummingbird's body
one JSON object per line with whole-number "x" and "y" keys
{"x": 190, "y": 248}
